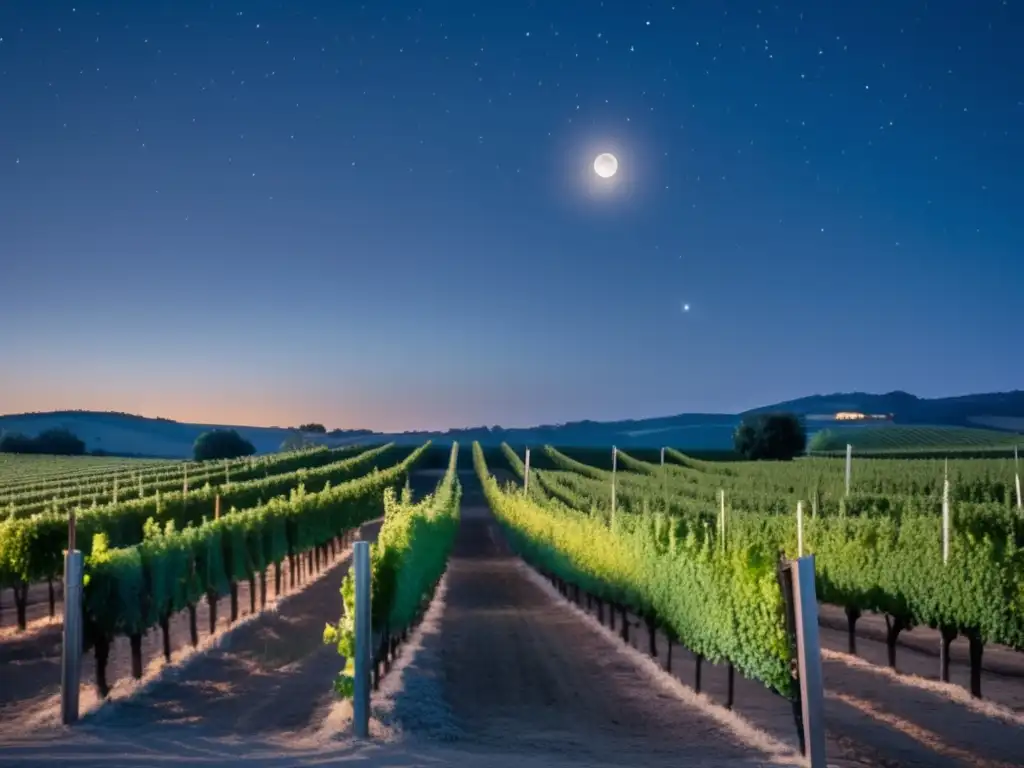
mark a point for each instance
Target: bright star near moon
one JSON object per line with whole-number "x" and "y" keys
{"x": 605, "y": 165}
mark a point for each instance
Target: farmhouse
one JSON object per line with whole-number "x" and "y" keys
{"x": 855, "y": 416}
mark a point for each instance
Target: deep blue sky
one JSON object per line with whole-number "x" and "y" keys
{"x": 384, "y": 214}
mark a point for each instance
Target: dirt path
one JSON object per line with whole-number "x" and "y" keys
{"x": 265, "y": 650}
{"x": 37, "y": 607}
{"x": 872, "y": 717}
{"x": 273, "y": 678}
{"x": 908, "y": 722}
{"x": 1001, "y": 666}
{"x": 521, "y": 671}
{"x": 270, "y": 676}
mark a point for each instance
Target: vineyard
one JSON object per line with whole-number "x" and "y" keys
{"x": 879, "y": 549}
{"x": 903, "y": 439}
{"x": 27, "y": 470}
{"x": 677, "y": 558}
{"x": 32, "y": 537}
{"x": 407, "y": 561}
{"x": 79, "y": 491}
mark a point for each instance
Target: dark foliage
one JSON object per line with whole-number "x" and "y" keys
{"x": 221, "y": 444}
{"x": 83, "y": 412}
{"x": 318, "y": 429}
{"x": 770, "y": 436}
{"x": 349, "y": 432}
{"x": 15, "y": 442}
{"x": 58, "y": 442}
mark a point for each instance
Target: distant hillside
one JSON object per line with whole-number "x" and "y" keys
{"x": 126, "y": 434}
{"x": 991, "y": 414}
{"x": 996, "y": 410}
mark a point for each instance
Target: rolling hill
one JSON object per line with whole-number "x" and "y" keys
{"x": 996, "y": 410}
{"x": 128, "y": 435}
{"x": 972, "y": 421}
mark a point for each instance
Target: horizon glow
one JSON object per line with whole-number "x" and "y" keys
{"x": 219, "y": 222}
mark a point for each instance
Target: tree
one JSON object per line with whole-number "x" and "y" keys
{"x": 770, "y": 436}
{"x": 349, "y": 432}
{"x": 16, "y": 442}
{"x": 221, "y": 444}
{"x": 58, "y": 442}
{"x": 318, "y": 429}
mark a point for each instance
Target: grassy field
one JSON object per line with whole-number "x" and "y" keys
{"x": 895, "y": 438}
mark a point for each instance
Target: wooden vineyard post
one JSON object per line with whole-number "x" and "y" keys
{"x": 71, "y": 653}
{"x": 184, "y": 487}
{"x": 1016, "y": 479}
{"x": 945, "y": 517}
{"x": 849, "y": 466}
{"x": 721, "y": 517}
{"x": 615, "y": 465}
{"x": 526, "y": 475}
{"x": 796, "y": 580}
{"x": 730, "y": 696}
{"x": 785, "y": 577}
{"x": 945, "y": 637}
{"x": 812, "y": 694}
{"x": 363, "y": 640}
{"x": 216, "y": 507}
{"x": 731, "y": 689}
{"x": 72, "y": 531}
{"x": 800, "y": 529}
{"x": 664, "y": 480}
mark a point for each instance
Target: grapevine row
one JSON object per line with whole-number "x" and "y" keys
{"x": 22, "y": 472}
{"x": 975, "y": 480}
{"x": 114, "y": 489}
{"x": 883, "y": 558}
{"x": 30, "y": 548}
{"x": 723, "y": 604}
{"x": 129, "y": 590}
{"x": 406, "y": 563}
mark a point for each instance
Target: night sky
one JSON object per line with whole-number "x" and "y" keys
{"x": 385, "y": 214}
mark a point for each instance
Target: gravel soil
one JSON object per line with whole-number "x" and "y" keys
{"x": 261, "y": 648}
